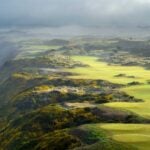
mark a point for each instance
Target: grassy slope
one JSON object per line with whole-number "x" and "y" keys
{"x": 135, "y": 135}
{"x": 100, "y": 70}
{"x": 142, "y": 92}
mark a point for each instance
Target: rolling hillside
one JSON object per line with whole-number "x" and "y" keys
{"x": 66, "y": 94}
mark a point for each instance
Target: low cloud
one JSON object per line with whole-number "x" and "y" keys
{"x": 74, "y": 12}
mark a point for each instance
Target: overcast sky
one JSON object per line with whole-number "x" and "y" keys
{"x": 75, "y": 12}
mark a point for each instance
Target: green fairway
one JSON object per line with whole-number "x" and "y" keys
{"x": 137, "y": 135}
{"x": 101, "y": 70}
{"x": 140, "y": 91}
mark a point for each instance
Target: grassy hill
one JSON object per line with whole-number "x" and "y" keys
{"x": 61, "y": 94}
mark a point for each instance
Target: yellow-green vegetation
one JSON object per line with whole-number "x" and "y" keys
{"x": 139, "y": 91}
{"x": 44, "y": 108}
{"x": 101, "y": 70}
{"x": 134, "y": 134}
{"x": 43, "y": 88}
{"x": 101, "y": 132}
{"x": 25, "y": 76}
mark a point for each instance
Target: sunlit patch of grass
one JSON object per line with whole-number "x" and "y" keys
{"x": 101, "y": 70}
{"x": 140, "y": 91}
{"x": 136, "y": 134}
{"x": 106, "y": 135}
